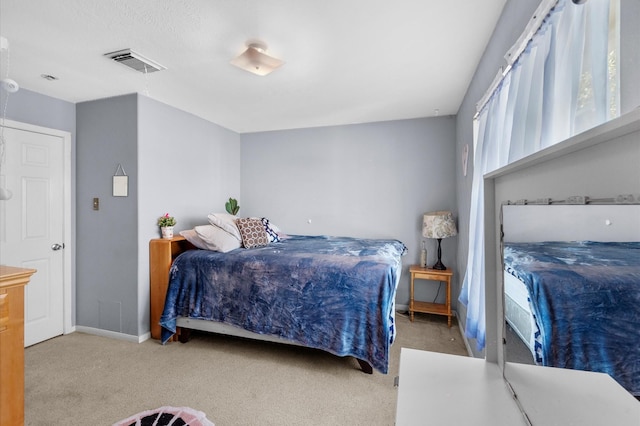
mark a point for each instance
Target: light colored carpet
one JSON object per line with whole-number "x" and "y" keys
{"x": 81, "y": 379}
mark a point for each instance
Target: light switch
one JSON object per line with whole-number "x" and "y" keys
{"x": 96, "y": 203}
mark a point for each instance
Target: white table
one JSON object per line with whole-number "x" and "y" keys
{"x": 437, "y": 388}
{"x": 441, "y": 389}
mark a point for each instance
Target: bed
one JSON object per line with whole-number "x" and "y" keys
{"x": 583, "y": 309}
{"x": 336, "y": 294}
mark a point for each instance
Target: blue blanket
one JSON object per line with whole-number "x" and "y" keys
{"x": 586, "y": 300}
{"x": 331, "y": 293}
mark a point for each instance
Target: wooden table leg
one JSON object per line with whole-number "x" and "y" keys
{"x": 411, "y": 300}
{"x": 449, "y": 301}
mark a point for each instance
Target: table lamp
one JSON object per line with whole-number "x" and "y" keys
{"x": 439, "y": 225}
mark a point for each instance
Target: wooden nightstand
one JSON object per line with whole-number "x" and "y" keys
{"x": 419, "y": 273}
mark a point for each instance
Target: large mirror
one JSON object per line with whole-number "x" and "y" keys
{"x": 601, "y": 163}
{"x": 571, "y": 283}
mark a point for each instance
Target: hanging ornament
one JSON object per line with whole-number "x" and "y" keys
{"x": 9, "y": 86}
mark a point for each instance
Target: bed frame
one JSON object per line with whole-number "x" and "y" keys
{"x": 162, "y": 253}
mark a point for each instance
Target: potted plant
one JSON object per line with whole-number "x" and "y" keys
{"x": 232, "y": 206}
{"x": 166, "y": 224}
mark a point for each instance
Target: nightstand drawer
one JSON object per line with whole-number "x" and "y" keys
{"x": 428, "y": 276}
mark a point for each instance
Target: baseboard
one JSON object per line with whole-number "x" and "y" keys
{"x": 145, "y": 336}
{"x": 113, "y": 334}
{"x": 402, "y": 307}
{"x": 464, "y": 335}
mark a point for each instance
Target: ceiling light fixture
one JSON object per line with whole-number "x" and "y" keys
{"x": 256, "y": 61}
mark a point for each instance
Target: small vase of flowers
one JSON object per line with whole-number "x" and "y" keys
{"x": 166, "y": 224}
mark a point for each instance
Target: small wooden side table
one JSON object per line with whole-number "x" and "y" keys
{"x": 419, "y": 273}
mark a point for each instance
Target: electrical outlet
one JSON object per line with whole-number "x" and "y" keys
{"x": 96, "y": 203}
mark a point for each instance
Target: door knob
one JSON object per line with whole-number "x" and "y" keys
{"x": 57, "y": 246}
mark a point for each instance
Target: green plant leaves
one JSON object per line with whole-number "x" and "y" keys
{"x": 232, "y": 206}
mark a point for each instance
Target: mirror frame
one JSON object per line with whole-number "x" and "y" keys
{"x": 582, "y": 151}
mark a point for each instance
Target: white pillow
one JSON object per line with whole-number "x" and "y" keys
{"x": 191, "y": 236}
{"x": 271, "y": 230}
{"x": 227, "y": 222}
{"x": 217, "y": 239}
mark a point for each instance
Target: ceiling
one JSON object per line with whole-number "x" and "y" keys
{"x": 346, "y": 61}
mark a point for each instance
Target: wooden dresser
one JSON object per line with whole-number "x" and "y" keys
{"x": 12, "y": 282}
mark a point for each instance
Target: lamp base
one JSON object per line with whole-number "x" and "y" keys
{"x": 439, "y": 266}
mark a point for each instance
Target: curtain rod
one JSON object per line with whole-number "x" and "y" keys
{"x": 516, "y": 50}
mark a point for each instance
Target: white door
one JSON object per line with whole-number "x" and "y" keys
{"x": 32, "y": 226}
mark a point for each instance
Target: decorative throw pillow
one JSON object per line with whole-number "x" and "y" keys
{"x": 216, "y": 238}
{"x": 273, "y": 235}
{"x": 252, "y": 232}
{"x": 227, "y": 222}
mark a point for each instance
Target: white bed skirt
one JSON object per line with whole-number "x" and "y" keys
{"x": 518, "y": 311}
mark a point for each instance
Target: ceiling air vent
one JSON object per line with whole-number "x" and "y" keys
{"x": 135, "y": 60}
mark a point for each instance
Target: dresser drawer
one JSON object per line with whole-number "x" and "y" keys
{"x": 4, "y": 310}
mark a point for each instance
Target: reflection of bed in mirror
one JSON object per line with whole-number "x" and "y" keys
{"x": 520, "y": 321}
{"x": 572, "y": 287}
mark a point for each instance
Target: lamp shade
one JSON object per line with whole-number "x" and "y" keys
{"x": 438, "y": 224}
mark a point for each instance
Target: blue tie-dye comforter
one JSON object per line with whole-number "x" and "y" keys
{"x": 331, "y": 293}
{"x": 586, "y": 299}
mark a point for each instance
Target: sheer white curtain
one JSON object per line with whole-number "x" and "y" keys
{"x": 565, "y": 82}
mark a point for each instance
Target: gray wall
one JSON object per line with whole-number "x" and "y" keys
{"x": 366, "y": 180}
{"x": 33, "y": 108}
{"x": 106, "y": 268}
{"x": 187, "y": 167}
{"x": 176, "y": 163}
{"x": 511, "y": 24}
